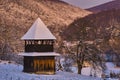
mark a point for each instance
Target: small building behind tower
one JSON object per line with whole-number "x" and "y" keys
{"x": 39, "y": 55}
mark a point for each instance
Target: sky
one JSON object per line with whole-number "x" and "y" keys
{"x": 86, "y": 3}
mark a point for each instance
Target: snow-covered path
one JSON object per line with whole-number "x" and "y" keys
{"x": 14, "y": 72}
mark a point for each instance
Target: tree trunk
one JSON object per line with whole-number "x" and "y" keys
{"x": 80, "y": 57}
{"x": 79, "y": 66}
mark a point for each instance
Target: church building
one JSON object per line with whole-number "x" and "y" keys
{"x": 39, "y": 55}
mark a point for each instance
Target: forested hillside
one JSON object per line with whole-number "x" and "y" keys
{"x": 17, "y": 16}
{"x": 104, "y": 26}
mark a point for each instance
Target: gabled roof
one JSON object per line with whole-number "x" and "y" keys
{"x": 38, "y": 31}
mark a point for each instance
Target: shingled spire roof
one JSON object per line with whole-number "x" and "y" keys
{"x": 38, "y": 31}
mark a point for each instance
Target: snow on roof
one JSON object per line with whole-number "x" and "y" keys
{"x": 39, "y": 54}
{"x": 38, "y": 31}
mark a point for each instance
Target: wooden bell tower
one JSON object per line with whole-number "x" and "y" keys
{"x": 39, "y": 55}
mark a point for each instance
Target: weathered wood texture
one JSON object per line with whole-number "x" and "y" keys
{"x": 39, "y": 65}
{"x": 39, "y": 46}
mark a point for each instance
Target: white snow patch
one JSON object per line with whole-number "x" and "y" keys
{"x": 112, "y": 68}
{"x": 88, "y": 71}
{"x": 39, "y": 54}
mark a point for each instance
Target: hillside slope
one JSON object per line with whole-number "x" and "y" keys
{"x": 103, "y": 25}
{"x": 115, "y": 4}
{"x": 16, "y": 16}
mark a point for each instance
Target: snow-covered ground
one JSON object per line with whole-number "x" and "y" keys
{"x": 112, "y": 68}
{"x": 12, "y": 71}
{"x": 88, "y": 71}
